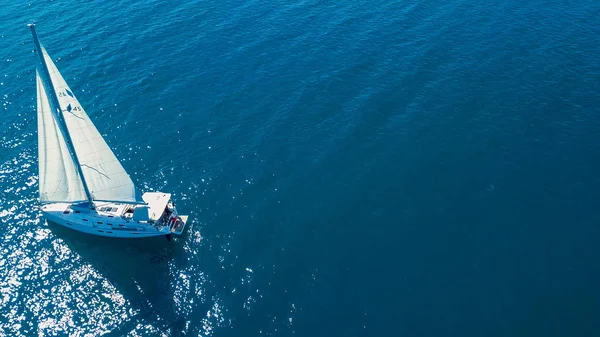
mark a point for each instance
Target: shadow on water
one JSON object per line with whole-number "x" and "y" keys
{"x": 140, "y": 270}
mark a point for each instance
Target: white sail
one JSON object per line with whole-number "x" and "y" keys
{"x": 59, "y": 180}
{"x": 103, "y": 173}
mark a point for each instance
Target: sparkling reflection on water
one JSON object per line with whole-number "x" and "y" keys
{"x": 54, "y": 281}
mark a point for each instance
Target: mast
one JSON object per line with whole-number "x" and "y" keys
{"x": 58, "y": 114}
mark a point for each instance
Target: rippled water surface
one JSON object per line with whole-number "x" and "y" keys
{"x": 351, "y": 168}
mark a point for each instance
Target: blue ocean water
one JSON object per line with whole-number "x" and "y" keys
{"x": 352, "y": 168}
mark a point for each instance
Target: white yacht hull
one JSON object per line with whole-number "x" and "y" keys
{"x": 103, "y": 224}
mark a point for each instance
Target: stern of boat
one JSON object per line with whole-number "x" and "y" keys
{"x": 178, "y": 224}
{"x": 160, "y": 210}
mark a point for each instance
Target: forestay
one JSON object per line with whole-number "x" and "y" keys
{"x": 103, "y": 173}
{"x": 59, "y": 180}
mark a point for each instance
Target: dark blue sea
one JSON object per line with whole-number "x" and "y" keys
{"x": 350, "y": 168}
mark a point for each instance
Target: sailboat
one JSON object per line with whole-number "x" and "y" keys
{"x": 82, "y": 184}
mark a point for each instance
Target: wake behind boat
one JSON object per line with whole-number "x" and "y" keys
{"x": 83, "y": 185}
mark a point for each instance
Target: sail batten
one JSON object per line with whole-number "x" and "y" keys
{"x": 103, "y": 174}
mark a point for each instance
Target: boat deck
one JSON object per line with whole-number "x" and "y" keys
{"x": 115, "y": 219}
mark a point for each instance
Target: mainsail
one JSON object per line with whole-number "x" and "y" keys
{"x": 103, "y": 174}
{"x": 59, "y": 180}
